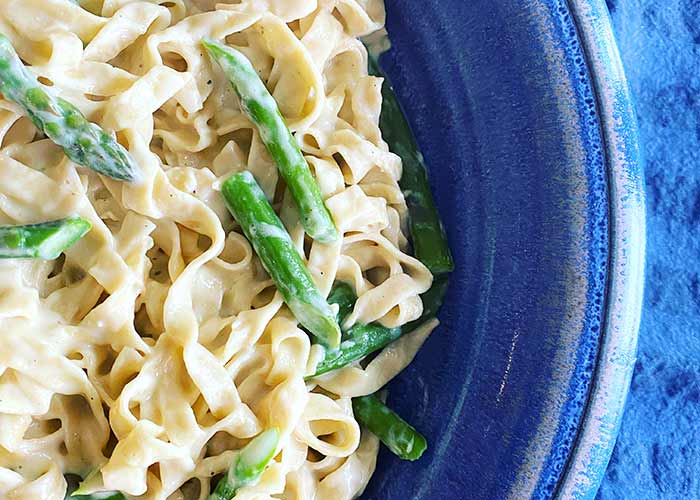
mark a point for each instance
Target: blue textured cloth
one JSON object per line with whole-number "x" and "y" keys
{"x": 657, "y": 455}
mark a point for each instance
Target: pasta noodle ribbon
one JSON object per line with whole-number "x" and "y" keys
{"x": 157, "y": 347}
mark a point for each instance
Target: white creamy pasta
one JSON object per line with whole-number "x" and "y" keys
{"x": 157, "y": 346}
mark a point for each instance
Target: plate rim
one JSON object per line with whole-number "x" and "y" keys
{"x": 602, "y": 416}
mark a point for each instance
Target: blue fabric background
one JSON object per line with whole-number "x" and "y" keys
{"x": 657, "y": 455}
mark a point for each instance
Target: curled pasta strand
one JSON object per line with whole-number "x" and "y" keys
{"x": 159, "y": 334}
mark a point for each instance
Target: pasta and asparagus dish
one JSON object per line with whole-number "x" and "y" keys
{"x": 217, "y": 246}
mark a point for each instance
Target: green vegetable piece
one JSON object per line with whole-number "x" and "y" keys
{"x": 248, "y": 466}
{"x": 263, "y": 228}
{"x": 360, "y": 340}
{"x": 344, "y": 297}
{"x": 46, "y": 240}
{"x": 83, "y": 142}
{"x": 103, "y": 495}
{"x": 82, "y": 489}
{"x": 262, "y": 110}
{"x": 400, "y": 437}
{"x": 427, "y": 232}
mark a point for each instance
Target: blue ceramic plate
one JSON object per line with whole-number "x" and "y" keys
{"x": 523, "y": 114}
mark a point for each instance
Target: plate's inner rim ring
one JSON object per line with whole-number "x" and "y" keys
{"x": 604, "y": 322}
{"x": 621, "y": 217}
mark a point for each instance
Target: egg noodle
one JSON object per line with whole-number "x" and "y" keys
{"x": 158, "y": 346}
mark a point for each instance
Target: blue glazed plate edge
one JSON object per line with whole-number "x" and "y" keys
{"x": 618, "y": 343}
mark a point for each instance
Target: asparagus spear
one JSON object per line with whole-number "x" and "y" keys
{"x": 344, "y": 297}
{"x": 46, "y": 240}
{"x": 248, "y": 466}
{"x": 400, "y": 437}
{"x": 78, "y": 489}
{"x": 362, "y": 340}
{"x": 103, "y": 495}
{"x": 83, "y": 142}
{"x": 248, "y": 205}
{"x": 427, "y": 233}
{"x": 262, "y": 110}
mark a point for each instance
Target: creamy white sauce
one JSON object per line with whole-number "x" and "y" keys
{"x": 161, "y": 346}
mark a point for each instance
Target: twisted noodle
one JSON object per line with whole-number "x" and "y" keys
{"x": 158, "y": 345}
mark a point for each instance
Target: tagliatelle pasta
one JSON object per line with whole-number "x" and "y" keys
{"x": 158, "y": 346}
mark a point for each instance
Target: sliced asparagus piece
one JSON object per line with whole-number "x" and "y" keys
{"x": 362, "y": 340}
{"x": 46, "y": 240}
{"x": 427, "y": 233}
{"x": 83, "y": 142}
{"x": 400, "y": 437}
{"x": 262, "y": 110}
{"x": 263, "y": 228}
{"x": 83, "y": 489}
{"x": 248, "y": 466}
{"x": 344, "y": 297}
{"x": 103, "y": 495}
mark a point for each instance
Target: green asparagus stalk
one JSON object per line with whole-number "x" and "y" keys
{"x": 248, "y": 466}
{"x": 46, "y": 240}
{"x": 103, "y": 495}
{"x": 344, "y": 297}
{"x": 262, "y": 110}
{"x": 248, "y": 205}
{"x": 362, "y": 340}
{"x": 83, "y": 142}
{"x": 427, "y": 233}
{"x": 82, "y": 489}
{"x": 400, "y": 437}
